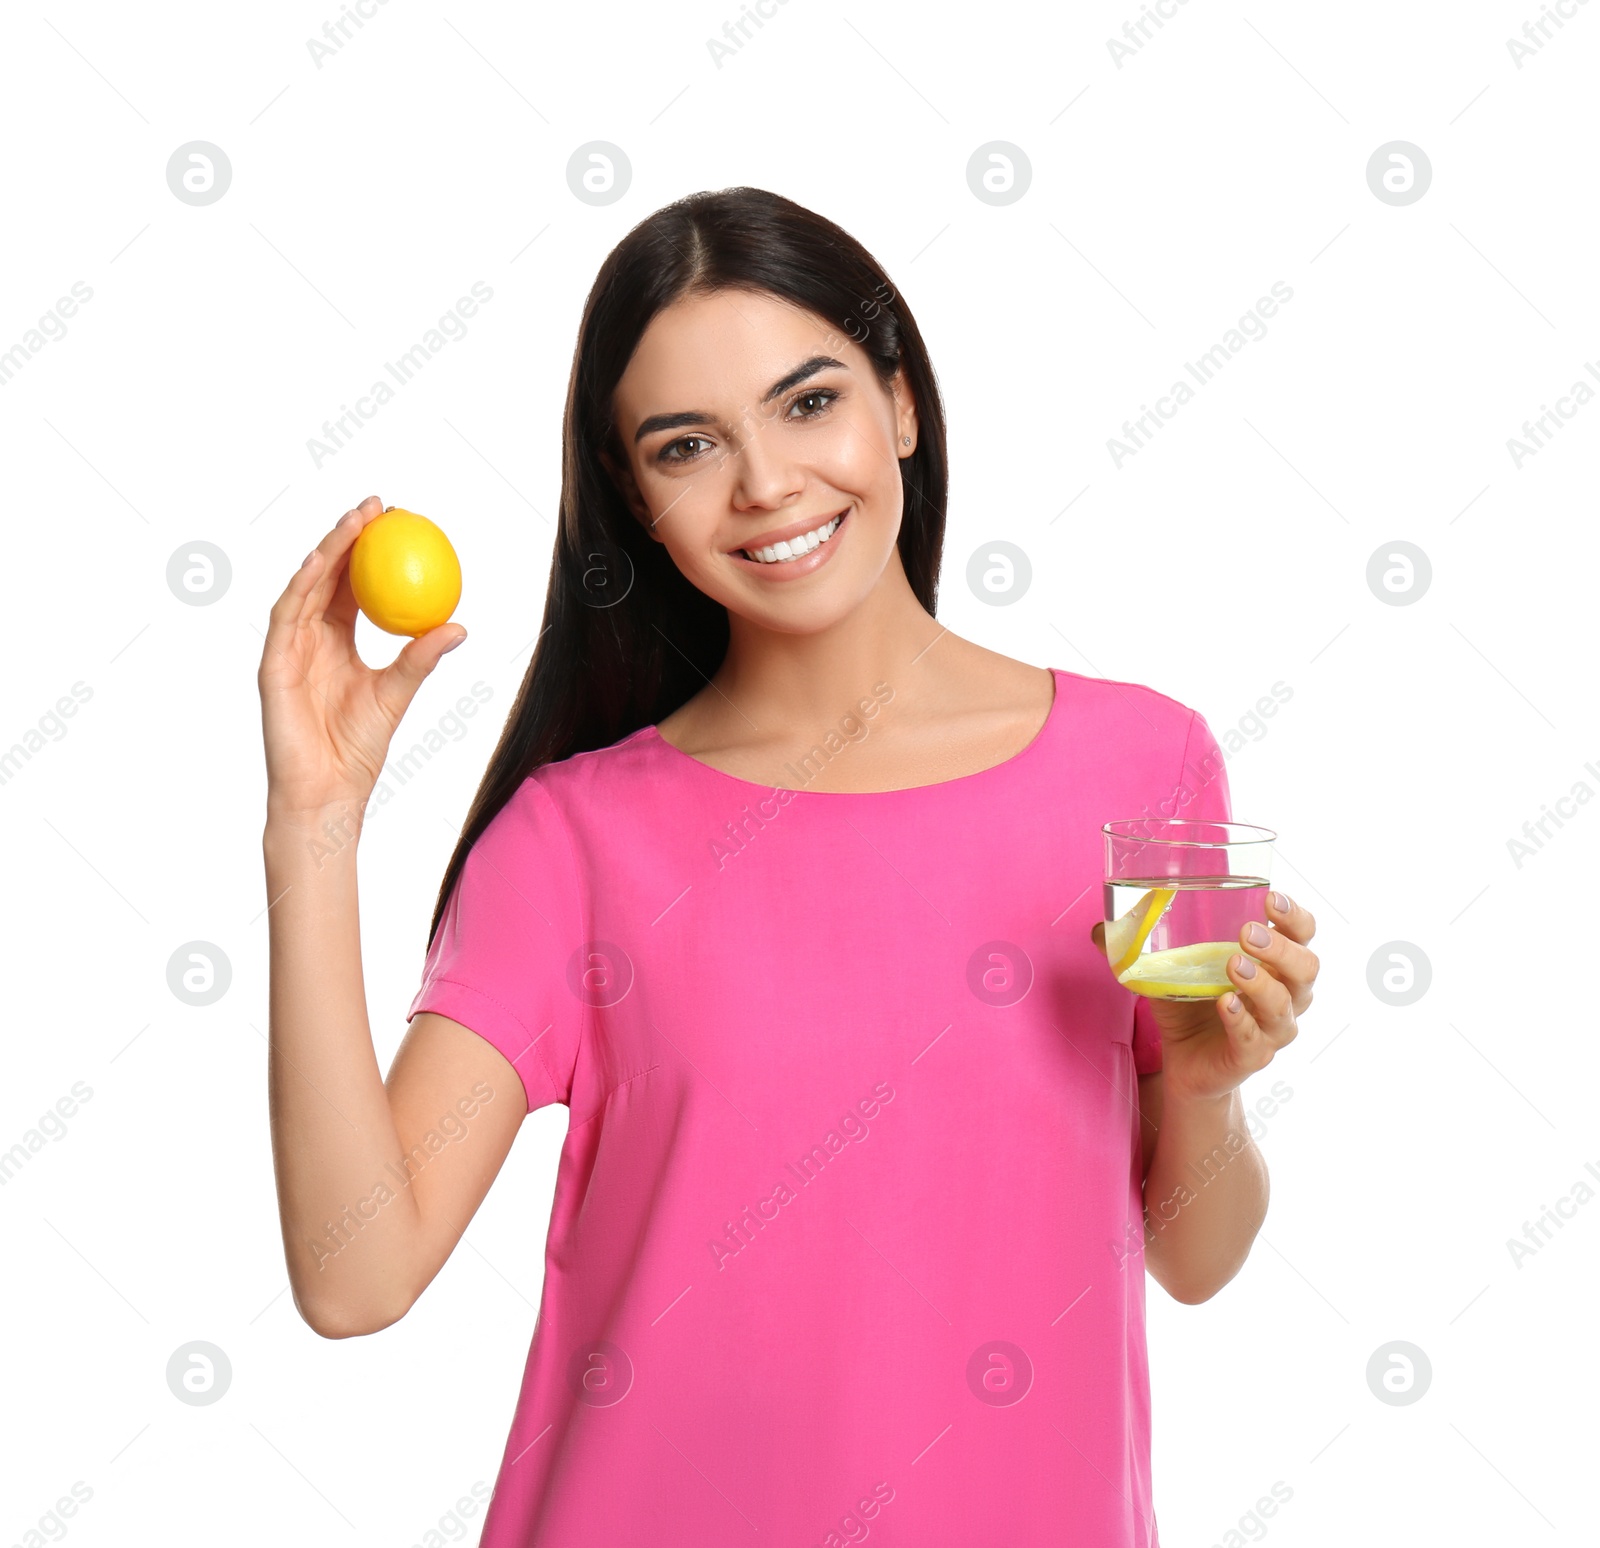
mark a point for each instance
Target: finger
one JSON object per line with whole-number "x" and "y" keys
{"x": 1098, "y": 935}
{"x": 1267, "y": 999}
{"x": 1249, "y": 1047}
{"x": 333, "y": 548}
{"x": 1296, "y": 922}
{"x": 1294, "y": 964}
{"x": 284, "y": 618}
{"x": 398, "y": 682}
{"x": 324, "y": 563}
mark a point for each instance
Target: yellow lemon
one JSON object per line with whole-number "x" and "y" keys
{"x": 1125, "y": 937}
{"x": 1194, "y": 972}
{"x": 404, "y": 573}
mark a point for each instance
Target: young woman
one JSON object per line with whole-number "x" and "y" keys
{"x": 789, "y": 895}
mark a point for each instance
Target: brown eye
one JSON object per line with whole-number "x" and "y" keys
{"x": 826, "y": 394}
{"x": 662, "y": 455}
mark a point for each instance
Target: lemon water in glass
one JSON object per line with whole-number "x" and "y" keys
{"x": 1178, "y": 890}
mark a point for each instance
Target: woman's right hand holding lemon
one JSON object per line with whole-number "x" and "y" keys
{"x": 328, "y": 718}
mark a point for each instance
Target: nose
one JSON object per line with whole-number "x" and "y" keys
{"x": 763, "y": 476}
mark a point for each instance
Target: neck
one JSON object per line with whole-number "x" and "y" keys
{"x": 770, "y": 676}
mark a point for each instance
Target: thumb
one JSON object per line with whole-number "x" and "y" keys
{"x": 398, "y": 682}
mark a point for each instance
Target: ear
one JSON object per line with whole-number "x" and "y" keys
{"x": 622, "y": 476}
{"x": 905, "y": 408}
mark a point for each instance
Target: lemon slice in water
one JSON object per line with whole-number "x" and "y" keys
{"x": 1125, "y": 937}
{"x": 1192, "y": 972}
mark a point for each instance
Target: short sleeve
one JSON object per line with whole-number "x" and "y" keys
{"x": 511, "y": 926}
{"x": 1200, "y": 790}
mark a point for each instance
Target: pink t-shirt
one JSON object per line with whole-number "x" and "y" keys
{"x": 847, "y": 1232}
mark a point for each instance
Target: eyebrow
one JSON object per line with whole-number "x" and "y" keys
{"x": 689, "y": 417}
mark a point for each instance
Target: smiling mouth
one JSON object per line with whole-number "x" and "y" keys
{"x": 795, "y": 548}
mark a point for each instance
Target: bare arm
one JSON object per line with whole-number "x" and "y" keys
{"x": 1205, "y": 1180}
{"x": 1205, "y": 1190}
{"x": 375, "y": 1182}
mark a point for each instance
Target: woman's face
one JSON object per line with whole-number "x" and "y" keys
{"x": 747, "y": 420}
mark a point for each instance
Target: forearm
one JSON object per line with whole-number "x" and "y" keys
{"x": 1205, "y": 1196}
{"x": 349, "y": 1222}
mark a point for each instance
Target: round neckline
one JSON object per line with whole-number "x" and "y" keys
{"x": 654, "y": 733}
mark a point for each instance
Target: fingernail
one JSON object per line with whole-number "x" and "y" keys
{"x": 1234, "y": 1004}
{"x": 1256, "y": 934}
{"x": 460, "y": 639}
{"x": 308, "y": 558}
{"x": 348, "y": 517}
{"x": 1280, "y": 904}
{"x": 1246, "y": 968}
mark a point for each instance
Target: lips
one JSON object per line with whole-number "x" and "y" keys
{"x": 786, "y": 533}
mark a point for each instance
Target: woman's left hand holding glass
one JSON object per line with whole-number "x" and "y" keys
{"x": 1210, "y": 1047}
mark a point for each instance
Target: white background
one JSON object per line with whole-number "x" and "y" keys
{"x": 1231, "y": 553}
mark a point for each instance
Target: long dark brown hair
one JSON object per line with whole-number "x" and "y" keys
{"x": 626, "y": 638}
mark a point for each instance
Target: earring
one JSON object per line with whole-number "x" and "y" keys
{"x": 906, "y": 439}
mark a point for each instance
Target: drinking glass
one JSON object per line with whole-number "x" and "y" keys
{"x": 1178, "y": 890}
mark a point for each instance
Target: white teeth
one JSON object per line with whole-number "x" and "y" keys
{"x": 776, "y": 553}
